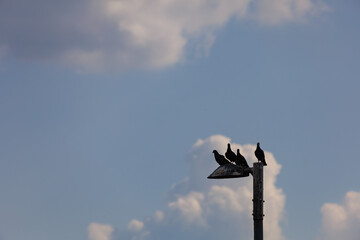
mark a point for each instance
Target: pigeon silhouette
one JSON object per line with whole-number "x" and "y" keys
{"x": 230, "y": 154}
{"x": 220, "y": 159}
{"x": 259, "y": 153}
{"x": 240, "y": 160}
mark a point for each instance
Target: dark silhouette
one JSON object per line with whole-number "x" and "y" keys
{"x": 230, "y": 154}
{"x": 259, "y": 153}
{"x": 220, "y": 159}
{"x": 240, "y": 160}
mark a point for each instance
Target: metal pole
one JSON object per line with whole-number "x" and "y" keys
{"x": 258, "y": 200}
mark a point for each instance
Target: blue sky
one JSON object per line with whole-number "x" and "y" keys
{"x": 101, "y": 108}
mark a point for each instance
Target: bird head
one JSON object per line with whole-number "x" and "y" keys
{"x": 258, "y": 144}
{"x": 214, "y": 151}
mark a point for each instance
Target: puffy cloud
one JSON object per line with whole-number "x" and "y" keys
{"x": 278, "y": 11}
{"x": 118, "y": 34}
{"x": 98, "y": 231}
{"x": 189, "y": 207}
{"x": 342, "y": 221}
{"x": 199, "y": 208}
{"x": 158, "y": 216}
{"x": 135, "y": 225}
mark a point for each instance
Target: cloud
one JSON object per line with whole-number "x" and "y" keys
{"x": 98, "y": 231}
{"x": 189, "y": 207}
{"x": 278, "y": 11}
{"x": 115, "y": 35}
{"x": 342, "y": 221}
{"x": 135, "y": 225}
{"x": 200, "y": 208}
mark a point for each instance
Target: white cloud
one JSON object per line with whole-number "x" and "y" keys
{"x": 135, "y": 225}
{"x": 189, "y": 207}
{"x": 158, "y": 216}
{"x": 200, "y": 208}
{"x": 116, "y": 34}
{"x": 342, "y": 221}
{"x": 272, "y": 12}
{"x": 98, "y": 231}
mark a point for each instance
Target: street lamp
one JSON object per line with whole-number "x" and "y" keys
{"x": 231, "y": 170}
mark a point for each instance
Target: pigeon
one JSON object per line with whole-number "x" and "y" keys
{"x": 230, "y": 154}
{"x": 220, "y": 159}
{"x": 259, "y": 153}
{"x": 240, "y": 160}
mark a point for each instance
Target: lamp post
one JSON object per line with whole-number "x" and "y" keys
{"x": 231, "y": 170}
{"x": 258, "y": 200}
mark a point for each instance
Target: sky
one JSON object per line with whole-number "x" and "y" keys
{"x": 110, "y": 111}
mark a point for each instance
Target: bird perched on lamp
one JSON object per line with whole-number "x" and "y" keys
{"x": 230, "y": 154}
{"x": 240, "y": 160}
{"x": 220, "y": 159}
{"x": 260, "y": 155}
